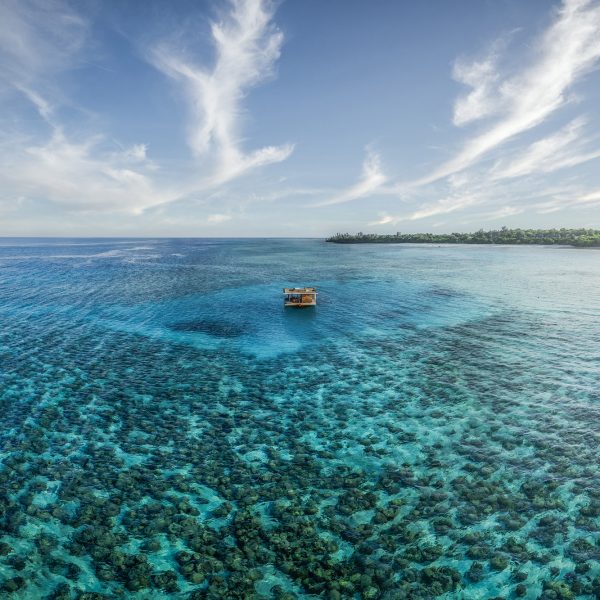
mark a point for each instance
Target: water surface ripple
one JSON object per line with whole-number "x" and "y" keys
{"x": 168, "y": 430}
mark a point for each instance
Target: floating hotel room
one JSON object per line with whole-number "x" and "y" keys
{"x": 300, "y": 297}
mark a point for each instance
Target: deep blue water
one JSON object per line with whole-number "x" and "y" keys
{"x": 168, "y": 430}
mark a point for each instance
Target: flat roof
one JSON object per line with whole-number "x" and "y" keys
{"x": 304, "y": 290}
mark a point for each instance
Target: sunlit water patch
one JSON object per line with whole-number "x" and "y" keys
{"x": 252, "y": 319}
{"x": 169, "y": 430}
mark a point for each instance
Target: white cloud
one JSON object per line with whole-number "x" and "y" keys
{"x": 136, "y": 153}
{"x": 447, "y": 205}
{"x": 371, "y": 181}
{"x": 384, "y": 220}
{"x": 565, "y": 148}
{"x": 218, "y": 218}
{"x": 38, "y": 36}
{"x": 589, "y": 197}
{"x": 40, "y": 42}
{"x": 43, "y": 106}
{"x": 247, "y": 46}
{"x": 230, "y": 169}
{"x": 512, "y": 104}
{"x": 562, "y": 201}
{"x": 501, "y": 213}
{"x": 80, "y": 176}
{"x": 65, "y": 160}
{"x": 482, "y": 100}
{"x": 568, "y": 50}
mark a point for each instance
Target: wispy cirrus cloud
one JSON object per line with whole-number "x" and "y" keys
{"x": 567, "y": 51}
{"x": 503, "y": 212}
{"x": 482, "y": 77}
{"x": 39, "y": 43}
{"x": 562, "y": 149}
{"x": 80, "y": 169}
{"x": 444, "y": 206}
{"x": 83, "y": 176}
{"x": 448, "y": 204}
{"x": 218, "y": 218}
{"x": 247, "y": 45}
{"x": 384, "y": 220}
{"x": 589, "y": 197}
{"x": 37, "y": 39}
{"x": 371, "y": 181}
{"x": 560, "y": 201}
{"x": 508, "y": 105}
{"x": 64, "y": 149}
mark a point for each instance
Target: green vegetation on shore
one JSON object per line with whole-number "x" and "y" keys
{"x": 581, "y": 238}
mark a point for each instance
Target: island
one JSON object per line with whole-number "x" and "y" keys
{"x": 580, "y": 238}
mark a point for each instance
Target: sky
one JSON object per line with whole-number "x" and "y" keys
{"x": 236, "y": 118}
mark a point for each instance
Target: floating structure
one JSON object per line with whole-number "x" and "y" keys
{"x": 300, "y": 297}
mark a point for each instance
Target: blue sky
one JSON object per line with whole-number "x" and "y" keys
{"x": 297, "y": 118}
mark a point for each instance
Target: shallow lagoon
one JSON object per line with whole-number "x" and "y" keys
{"x": 167, "y": 429}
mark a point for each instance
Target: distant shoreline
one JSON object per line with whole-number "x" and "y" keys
{"x": 578, "y": 238}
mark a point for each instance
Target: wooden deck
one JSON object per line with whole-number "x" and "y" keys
{"x": 300, "y": 297}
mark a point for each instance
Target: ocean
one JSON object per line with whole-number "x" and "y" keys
{"x": 169, "y": 430}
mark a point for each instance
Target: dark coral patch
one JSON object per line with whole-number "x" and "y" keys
{"x": 219, "y": 329}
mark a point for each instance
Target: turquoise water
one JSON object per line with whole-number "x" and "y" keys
{"x": 168, "y": 430}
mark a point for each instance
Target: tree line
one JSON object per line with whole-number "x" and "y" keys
{"x": 573, "y": 237}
